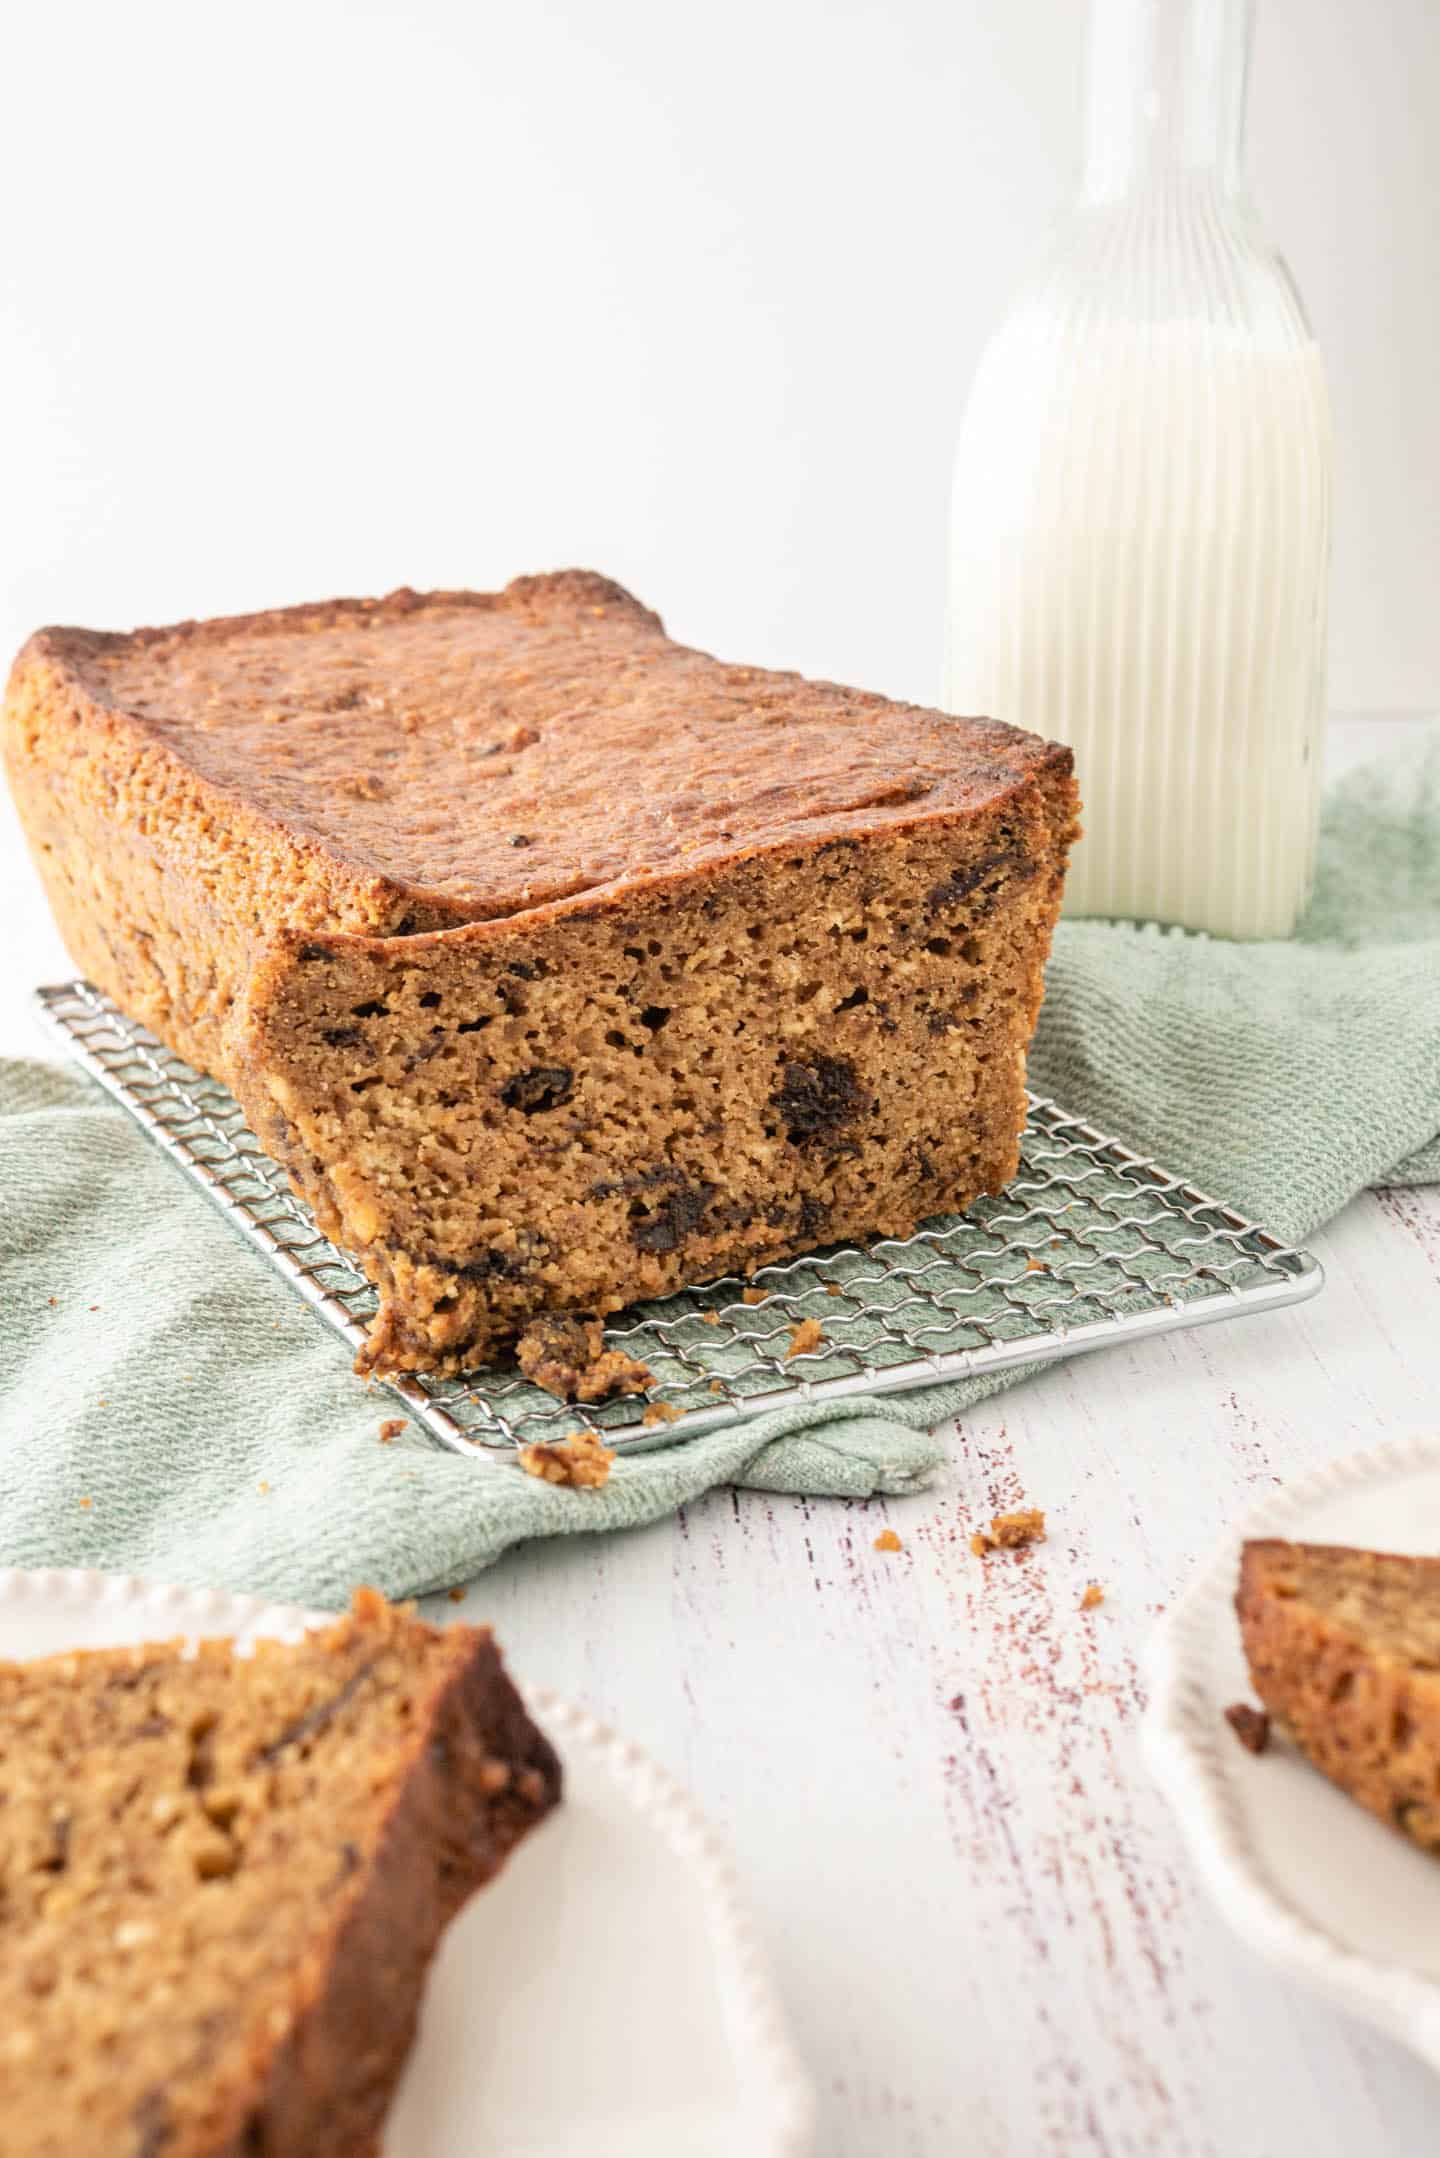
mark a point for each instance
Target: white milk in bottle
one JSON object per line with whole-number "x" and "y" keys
{"x": 1140, "y": 527}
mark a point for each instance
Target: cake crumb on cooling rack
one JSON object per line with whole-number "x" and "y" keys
{"x": 662, "y": 1412}
{"x": 1250, "y": 1725}
{"x": 1093, "y": 1597}
{"x": 752, "y": 1295}
{"x": 887, "y": 1540}
{"x": 391, "y": 1429}
{"x": 711, "y": 1317}
{"x": 579, "y": 1459}
{"x": 565, "y": 1353}
{"x": 805, "y": 1335}
{"x": 1010, "y": 1532}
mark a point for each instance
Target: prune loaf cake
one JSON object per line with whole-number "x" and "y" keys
{"x": 1344, "y": 1651}
{"x": 559, "y": 964}
{"x": 222, "y": 1879}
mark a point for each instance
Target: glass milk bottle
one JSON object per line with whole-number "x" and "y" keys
{"x": 1140, "y": 533}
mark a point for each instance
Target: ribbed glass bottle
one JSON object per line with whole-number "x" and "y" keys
{"x": 1140, "y": 528}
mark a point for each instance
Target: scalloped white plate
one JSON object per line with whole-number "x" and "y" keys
{"x": 603, "y": 1997}
{"x": 1308, "y": 1878}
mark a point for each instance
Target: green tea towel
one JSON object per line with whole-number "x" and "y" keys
{"x": 169, "y": 1407}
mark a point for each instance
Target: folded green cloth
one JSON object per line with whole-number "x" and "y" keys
{"x": 169, "y": 1407}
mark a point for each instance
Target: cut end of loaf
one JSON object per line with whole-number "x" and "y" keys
{"x": 1344, "y": 1652}
{"x": 215, "y": 1937}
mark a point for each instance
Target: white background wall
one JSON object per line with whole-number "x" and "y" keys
{"x": 315, "y": 297}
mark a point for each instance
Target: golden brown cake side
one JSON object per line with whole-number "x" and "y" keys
{"x": 213, "y": 1942}
{"x": 163, "y": 885}
{"x": 1344, "y": 1651}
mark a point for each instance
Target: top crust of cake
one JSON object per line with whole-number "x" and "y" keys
{"x": 582, "y": 748}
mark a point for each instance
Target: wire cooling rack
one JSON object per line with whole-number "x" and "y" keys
{"x": 1090, "y": 1244}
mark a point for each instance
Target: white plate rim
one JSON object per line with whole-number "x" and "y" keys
{"x": 763, "y": 2030}
{"x": 1187, "y": 1744}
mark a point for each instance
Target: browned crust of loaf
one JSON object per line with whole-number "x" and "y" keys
{"x": 328, "y": 2087}
{"x": 240, "y": 879}
{"x": 66, "y": 642}
{"x": 1367, "y": 1720}
{"x": 62, "y": 651}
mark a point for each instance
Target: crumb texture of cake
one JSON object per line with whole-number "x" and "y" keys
{"x": 559, "y": 964}
{"x": 1344, "y": 1652}
{"x": 1011, "y": 1532}
{"x": 581, "y": 1459}
{"x": 565, "y": 1354}
{"x": 222, "y": 1879}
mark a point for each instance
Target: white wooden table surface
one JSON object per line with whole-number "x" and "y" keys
{"x": 987, "y": 1933}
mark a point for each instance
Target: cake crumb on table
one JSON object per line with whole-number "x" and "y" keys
{"x": 457, "y": 1596}
{"x": 887, "y": 1540}
{"x": 1250, "y": 1725}
{"x": 661, "y": 1412}
{"x": 87, "y": 1504}
{"x": 805, "y": 1335}
{"x": 1094, "y": 1595}
{"x": 1010, "y": 1532}
{"x": 753, "y": 1295}
{"x": 391, "y": 1429}
{"x": 579, "y": 1459}
{"x": 565, "y": 1354}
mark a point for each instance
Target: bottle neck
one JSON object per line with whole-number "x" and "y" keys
{"x": 1165, "y": 95}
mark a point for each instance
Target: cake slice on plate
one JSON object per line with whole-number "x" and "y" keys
{"x": 222, "y": 1878}
{"x": 1344, "y": 1652}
